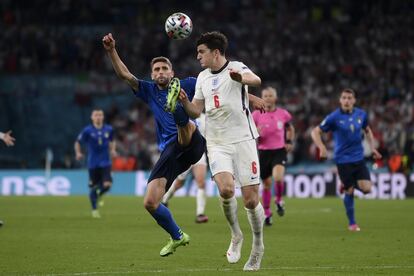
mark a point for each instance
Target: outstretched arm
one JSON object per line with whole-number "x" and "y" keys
{"x": 7, "y": 138}
{"x": 248, "y": 78}
{"x": 119, "y": 67}
{"x": 317, "y": 139}
{"x": 371, "y": 140}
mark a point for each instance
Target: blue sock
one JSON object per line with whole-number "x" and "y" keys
{"x": 180, "y": 116}
{"x": 164, "y": 218}
{"x": 93, "y": 197}
{"x": 349, "y": 206}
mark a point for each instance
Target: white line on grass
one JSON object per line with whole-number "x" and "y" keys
{"x": 195, "y": 270}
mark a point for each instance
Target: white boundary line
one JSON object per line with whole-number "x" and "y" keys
{"x": 195, "y": 270}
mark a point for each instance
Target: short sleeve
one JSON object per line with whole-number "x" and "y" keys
{"x": 198, "y": 95}
{"x": 328, "y": 123}
{"x": 83, "y": 136}
{"x": 144, "y": 87}
{"x": 111, "y": 134}
{"x": 288, "y": 117}
{"x": 365, "y": 120}
{"x": 240, "y": 67}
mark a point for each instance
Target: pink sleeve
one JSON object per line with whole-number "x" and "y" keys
{"x": 288, "y": 117}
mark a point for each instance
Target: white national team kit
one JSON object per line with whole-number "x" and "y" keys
{"x": 230, "y": 130}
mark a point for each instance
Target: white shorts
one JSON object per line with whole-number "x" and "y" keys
{"x": 239, "y": 159}
{"x": 202, "y": 161}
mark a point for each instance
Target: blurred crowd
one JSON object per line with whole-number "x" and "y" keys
{"x": 308, "y": 50}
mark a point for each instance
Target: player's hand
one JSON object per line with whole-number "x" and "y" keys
{"x": 114, "y": 153}
{"x": 8, "y": 139}
{"x": 235, "y": 75}
{"x": 323, "y": 154}
{"x": 376, "y": 154}
{"x": 258, "y": 104}
{"x": 183, "y": 96}
{"x": 79, "y": 156}
{"x": 108, "y": 42}
{"x": 288, "y": 147}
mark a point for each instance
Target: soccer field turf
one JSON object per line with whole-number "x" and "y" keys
{"x": 57, "y": 236}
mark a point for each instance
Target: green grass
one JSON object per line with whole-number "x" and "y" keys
{"x": 57, "y": 236}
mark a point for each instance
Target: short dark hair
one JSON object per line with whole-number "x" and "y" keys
{"x": 349, "y": 91}
{"x": 160, "y": 59}
{"x": 214, "y": 40}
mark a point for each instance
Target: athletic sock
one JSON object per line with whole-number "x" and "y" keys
{"x": 230, "y": 212}
{"x": 279, "y": 188}
{"x": 201, "y": 201}
{"x": 349, "y": 207}
{"x": 169, "y": 194}
{"x": 164, "y": 218}
{"x": 180, "y": 116}
{"x": 256, "y": 219}
{"x": 266, "y": 199}
{"x": 103, "y": 190}
{"x": 93, "y": 196}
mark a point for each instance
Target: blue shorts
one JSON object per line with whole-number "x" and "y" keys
{"x": 350, "y": 173}
{"x": 176, "y": 159}
{"x": 97, "y": 176}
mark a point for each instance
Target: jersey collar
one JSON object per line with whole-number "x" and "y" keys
{"x": 221, "y": 69}
{"x": 347, "y": 112}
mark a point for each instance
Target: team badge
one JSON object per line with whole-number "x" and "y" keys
{"x": 279, "y": 124}
{"x": 106, "y": 135}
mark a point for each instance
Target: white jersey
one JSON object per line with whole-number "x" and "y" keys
{"x": 228, "y": 119}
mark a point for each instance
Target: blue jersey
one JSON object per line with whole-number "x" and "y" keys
{"x": 97, "y": 142}
{"x": 156, "y": 99}
{"x": 347, "y": 129}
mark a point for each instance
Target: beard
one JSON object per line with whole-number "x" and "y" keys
{"x": 162, "y": 81}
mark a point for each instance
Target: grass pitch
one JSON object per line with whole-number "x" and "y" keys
{"x": 57, "y": 236}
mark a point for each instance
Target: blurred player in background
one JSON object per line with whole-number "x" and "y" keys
{"x": 180, "y": 142}
{"x": 199, "y": 171}
{"x": 273, "y": 125}
{"x": 98, "y": 138}
{"x": 230, "y": 134}
{"x": 348, "y": 125}
{"x": 9, "y": 141}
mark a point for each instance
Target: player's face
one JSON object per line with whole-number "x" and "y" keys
{"x": 269, "y": 97}
{"x": 162, "y": 73}
{"x": 97, "y": 117}
{"x": 205, "y": 56}
{"x": 347, "y": 101}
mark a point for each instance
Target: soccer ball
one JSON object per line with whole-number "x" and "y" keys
{"x": 178, "y": 26}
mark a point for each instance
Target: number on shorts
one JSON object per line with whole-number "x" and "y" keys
{"x": 216, "y": 101}
{"x": 254, "y": 167}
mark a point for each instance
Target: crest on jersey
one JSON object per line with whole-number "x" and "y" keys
{"x": 215, "y": 82}
{"x": 323, "y": 122}
{"x": 359, "y": 121}
{"x": 279, "y": 124}
{"x": 106, "y": 135}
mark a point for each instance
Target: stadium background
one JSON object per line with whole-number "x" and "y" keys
{"x": 53, "y": 71}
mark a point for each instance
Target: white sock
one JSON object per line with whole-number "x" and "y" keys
{"x": 201, "y": 201}
{"x": 230, "y": 212}
{"x": 169, "y": 194}
{"x": 256, "y": 218}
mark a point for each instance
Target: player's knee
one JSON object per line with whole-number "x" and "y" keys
{"x": 150, "y": 204}
{"x": 250, "y": 203}
{"x": 107, "y": 184}
{"x": 366, "y": 188}
{"x": 226, "y": 192}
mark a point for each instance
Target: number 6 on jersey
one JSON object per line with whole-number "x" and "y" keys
{"x": 216, "y": 101}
